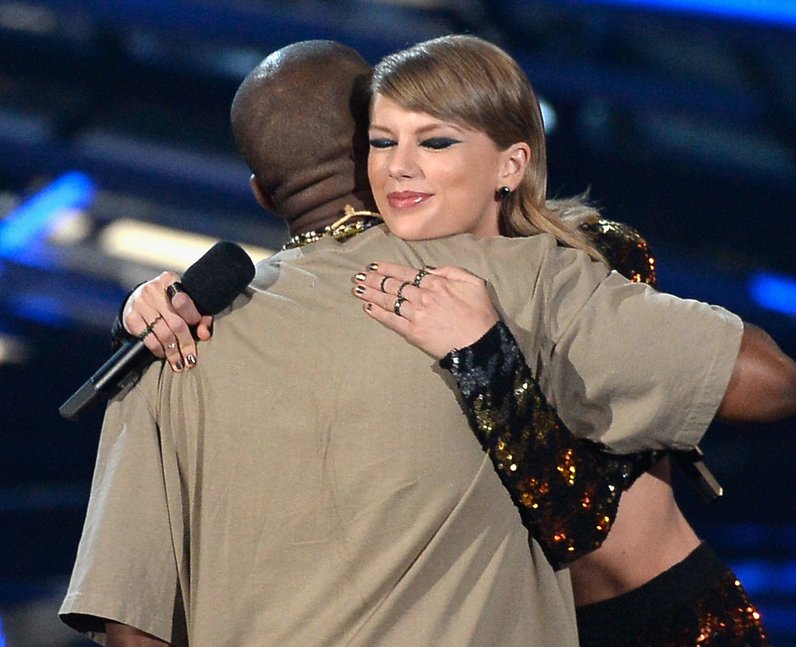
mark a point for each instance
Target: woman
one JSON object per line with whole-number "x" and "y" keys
{"x": 439, "y": 109}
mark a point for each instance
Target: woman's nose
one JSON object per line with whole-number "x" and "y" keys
{"x": 403, "y": 162}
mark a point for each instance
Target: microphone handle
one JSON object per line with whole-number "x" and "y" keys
{"x": 114, "y": 375}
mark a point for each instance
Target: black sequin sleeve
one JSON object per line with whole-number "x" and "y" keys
{"x": 566, "y": 489}
{"x": 627, "y": 251}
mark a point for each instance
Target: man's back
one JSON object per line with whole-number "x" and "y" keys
{"x": 330, "y": 488}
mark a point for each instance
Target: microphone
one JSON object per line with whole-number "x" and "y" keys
{"x": 212, "y": 282}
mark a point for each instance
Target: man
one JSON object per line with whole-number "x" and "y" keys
{"x": 452, "y": 560}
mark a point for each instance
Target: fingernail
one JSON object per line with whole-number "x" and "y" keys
{"x": 360, "y": 289}
{"x": 368, "y": 307}
{"x": 430, "y": 267}
{"x": 191, "y": 359}
{"x": 360, "y": 276}
{"x": 372, "y": 267}
{"x": 178, "y": 365}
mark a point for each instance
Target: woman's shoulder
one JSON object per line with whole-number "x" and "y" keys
{"x": 624, "y": 247}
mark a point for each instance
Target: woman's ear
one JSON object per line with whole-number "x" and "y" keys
{"x": 263, "y": 199}
{"x": 515, "y": 160}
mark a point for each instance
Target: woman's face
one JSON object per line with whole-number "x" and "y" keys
{"x": 432, "y": 178}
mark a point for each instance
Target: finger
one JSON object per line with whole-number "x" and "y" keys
{"x": 455, "y": 273}
{"x": 388, "y": 283}
{"x": 178, "y": 341}
{"x": 389, "y": 319}
{"x": 146, "y": 333}
{"x": 171, "y": 348}
{"x": 184, "y": 306}
{"x": 375, "y": 280}
{"x": 381, "y": 300}
{"x": 204, "y": 329}
{"x": 400, "y": 272}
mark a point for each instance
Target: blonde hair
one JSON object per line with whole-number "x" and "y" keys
{"x": 470, "y": 82}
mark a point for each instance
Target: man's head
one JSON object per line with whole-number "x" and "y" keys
{"x": 300, "y": 122}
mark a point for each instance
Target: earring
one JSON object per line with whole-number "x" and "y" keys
{"x": 504, "y": 192}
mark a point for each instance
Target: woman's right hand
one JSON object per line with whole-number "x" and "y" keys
{"x": 150, "y": 308}
{"x": 434, "y": 309}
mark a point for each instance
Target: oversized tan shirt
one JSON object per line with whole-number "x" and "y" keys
{"x": 313, "y": 481}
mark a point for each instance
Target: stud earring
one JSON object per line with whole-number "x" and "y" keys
{"x": 504, "y": 192}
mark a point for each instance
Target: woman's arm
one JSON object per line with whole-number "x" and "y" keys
{"x": 567, "y": 490}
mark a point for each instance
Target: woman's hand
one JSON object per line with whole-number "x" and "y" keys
{"x": 160, "y": 314}
{"x": 434, "y": 309}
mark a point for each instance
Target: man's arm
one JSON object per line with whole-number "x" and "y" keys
{"x": 762, "y": 387}
{"x": 119, "y": 635}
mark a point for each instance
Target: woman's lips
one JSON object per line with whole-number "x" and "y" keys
{"x": 405, "y": 199}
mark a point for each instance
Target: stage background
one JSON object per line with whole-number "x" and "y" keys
{"x": 117, "y": 162}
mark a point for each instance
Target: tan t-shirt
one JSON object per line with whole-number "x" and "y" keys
{"x": 316, "y": 476}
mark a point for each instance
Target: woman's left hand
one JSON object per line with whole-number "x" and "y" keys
{"x": 434, "y": 309}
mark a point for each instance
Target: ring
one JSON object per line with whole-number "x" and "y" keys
{"x": 381, "y": 285}
{"x": 149, "y": 327}
{"x": 400, "y": 293}
{"x": 396, "y": 307}
{"x": 419, "y": 277}
{"x": 173, "y": 289}
{"x": 172, "y": 345}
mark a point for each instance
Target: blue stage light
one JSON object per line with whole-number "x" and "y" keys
{"x": 29, "y": 222}
{"x": 781, "y": 12}
{"x": 775, "y": 292}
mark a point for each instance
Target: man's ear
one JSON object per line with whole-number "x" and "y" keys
{"x": 515, "y": 160}
{"x": 263, "y": 199}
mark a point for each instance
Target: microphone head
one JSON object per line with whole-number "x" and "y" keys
{"x": 218, "y": 277}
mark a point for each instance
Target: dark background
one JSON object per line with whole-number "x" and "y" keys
{"x": 679, "y": 122}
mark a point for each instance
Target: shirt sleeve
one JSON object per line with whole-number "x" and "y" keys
{"x": 567, "y": 490}
{"x": 629, "y": 366}
{"x": 125, "y": 569}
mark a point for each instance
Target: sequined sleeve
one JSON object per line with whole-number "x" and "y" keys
{"x": 566, "y": 489}
{"x": 625, "y": 249}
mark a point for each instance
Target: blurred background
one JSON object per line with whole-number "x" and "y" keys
{"x": 116, "y": 162}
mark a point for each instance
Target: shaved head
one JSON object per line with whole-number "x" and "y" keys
{"x": 300, "y": 122}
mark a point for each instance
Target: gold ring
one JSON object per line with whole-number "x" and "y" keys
{"x": 400, "y": 293}
{"x": 172, "y": 345}
{"x": 381, "y": 285}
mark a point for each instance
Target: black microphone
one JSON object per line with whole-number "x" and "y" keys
{"x": 212, "y": 282}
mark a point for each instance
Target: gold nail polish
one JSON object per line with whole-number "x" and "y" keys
{"x": 373, "y": 267}
{"x": 360, "y": 276}
{"x": 360, "y": 289}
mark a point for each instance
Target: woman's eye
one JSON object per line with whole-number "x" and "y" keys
{"x": 381, "y": 142}
{"x": 438, "y": 143}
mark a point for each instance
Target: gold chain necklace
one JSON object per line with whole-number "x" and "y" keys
{"x": 340, "y": 230}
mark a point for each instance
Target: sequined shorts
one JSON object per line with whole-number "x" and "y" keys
{"x": 696, "y": 602}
